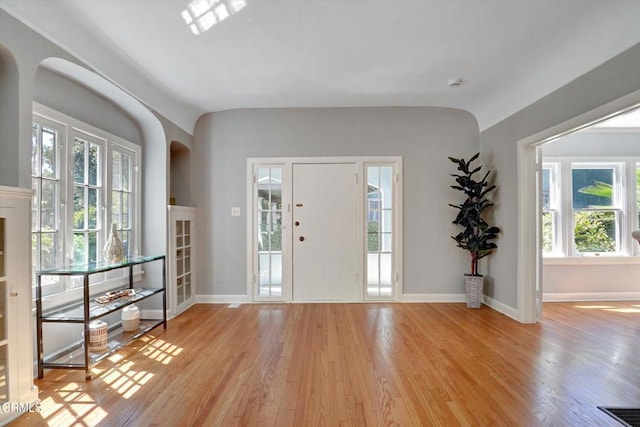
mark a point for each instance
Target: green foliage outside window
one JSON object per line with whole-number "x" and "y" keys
{"x": 547, "y": 232}
{"x": 373, "y": 236}
{"x": 595, "y": 231}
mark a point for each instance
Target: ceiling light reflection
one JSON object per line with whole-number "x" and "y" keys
{"x": 201, "y": 15}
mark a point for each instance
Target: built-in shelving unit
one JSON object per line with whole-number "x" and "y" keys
{"x": 181, "y": 258}
{"x": 17, "y": 389}
{"x": 79, "y": 355}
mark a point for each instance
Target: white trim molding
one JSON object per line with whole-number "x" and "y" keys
{"x": 501, "y": 308}
{"x": 432, "y": 298}
{"x": 590, "y": 296}
{"x": 222, "y": 299}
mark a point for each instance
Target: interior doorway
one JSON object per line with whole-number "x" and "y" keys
{"x": 530, "y": 201}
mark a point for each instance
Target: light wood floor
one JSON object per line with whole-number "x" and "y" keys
{"x": 361, "y": 364}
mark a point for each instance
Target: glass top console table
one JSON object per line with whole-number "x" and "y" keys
{"x": 86, "y": 309}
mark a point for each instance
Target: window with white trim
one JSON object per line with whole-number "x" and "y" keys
{"x": 588, "y": 207}
{"x": 84, "y": 179}
{"x": 596, "y": 190}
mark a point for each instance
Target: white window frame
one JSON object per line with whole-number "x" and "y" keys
{"x": 619, "y": 208}
{"x": 554, "y": 208}
{"x": 74, "y": 127}
{"x": 624, "y": 205}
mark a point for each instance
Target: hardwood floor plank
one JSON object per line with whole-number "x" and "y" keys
{"x": 360, "y": 365}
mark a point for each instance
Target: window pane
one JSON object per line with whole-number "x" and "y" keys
{"x": 79, "y": 219}
{"x": 35, "y": 204}
{"x": 125, "y": 210}
{"x": 386, "y": 242}
{"x": 78, "y": 161}
{"x": 126, "y": 172}
{"x": 93, "y": 247}
{"x": 385, "y": 269}
{"x": 373, "y": 236}
{"x": 94, "y": 167}
{"x": 92, "y": 208}
{"x": 592, "y": 188}
{"x": 48, "y": 153}
{"x": 276, "y": 232}
{"x": 78, "y": 248}
{"x": 373, "y": 269}
{"x": 35, "y": 158}
{"x": 385, "y": 187}
{"x": 546, "y": 188}
{"x": 595, "y": 231}
{"x": 48, "y": 205}
{"x": 117, "y": 171}
{"x": 48, "y": 249}
{"x": 126, "y": 238}
{"x": 116, "y": 207}
{"x": 547, "y": 232}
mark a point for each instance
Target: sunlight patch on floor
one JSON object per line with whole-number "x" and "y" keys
{"x": 73, "y": 405}
{"x": 161, "y": 351}
{"x": 594, "y": 307}
{"x": 624, "y": 310}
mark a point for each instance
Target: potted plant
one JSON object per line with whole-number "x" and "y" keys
{"x": 477, "y": 235}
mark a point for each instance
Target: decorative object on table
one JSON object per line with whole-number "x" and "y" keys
{"x": 113, "y": 251}
{"x": 130, "y": 318}
{"x": 477, "y": 235}
{"x": 114, "y": 295}
{"x": 98, "y": 336}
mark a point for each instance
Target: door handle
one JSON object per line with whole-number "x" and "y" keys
{"x": 297, "y": 223}
{"x": 301, "y": 238}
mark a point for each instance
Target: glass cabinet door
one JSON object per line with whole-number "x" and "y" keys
{"x": 3, "y": 310}
{"x": 183, "y": 263}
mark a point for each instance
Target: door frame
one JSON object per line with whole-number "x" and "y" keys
{"x": 286, "y": 163}
{"x": 529, "y": 261}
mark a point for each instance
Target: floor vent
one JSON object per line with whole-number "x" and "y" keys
{"x": 626, "y": 416}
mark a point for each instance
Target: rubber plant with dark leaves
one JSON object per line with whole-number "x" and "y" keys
{"x": 477, "y": 235}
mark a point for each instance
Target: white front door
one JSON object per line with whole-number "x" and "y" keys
{"x": 325, "y": 262}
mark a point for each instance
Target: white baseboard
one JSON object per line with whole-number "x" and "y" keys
{"x": 221, "y": 299}
{"x": 432, "y": 298}
{"x": 590, "y": 296}
{"x": 151, "y": 314}
{"x": 501, "y": 307}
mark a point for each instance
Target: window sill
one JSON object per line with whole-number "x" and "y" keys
{"x": 591, "y": 260}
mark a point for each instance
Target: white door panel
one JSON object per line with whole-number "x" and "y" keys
{"x": 325, "y": 263}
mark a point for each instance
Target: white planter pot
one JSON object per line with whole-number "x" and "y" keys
{"x": 473, "y": 287}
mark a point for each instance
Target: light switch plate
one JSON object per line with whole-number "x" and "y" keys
{"x": 235, "y": 211}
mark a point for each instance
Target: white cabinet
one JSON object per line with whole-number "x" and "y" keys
{"x": 181, "y": 268}
{"x": 17, "y": 392}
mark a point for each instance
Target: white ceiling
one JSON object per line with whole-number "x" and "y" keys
{"x": 328, "y": 53}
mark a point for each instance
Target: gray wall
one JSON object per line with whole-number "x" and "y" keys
{"x": 612, "y": 80}
{"x": 77, "y": 101}
{"x": 424, "y": 137}
{"x": 9, "y": 168}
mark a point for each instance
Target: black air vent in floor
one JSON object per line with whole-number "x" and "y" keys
{"x": 627, "y": 416}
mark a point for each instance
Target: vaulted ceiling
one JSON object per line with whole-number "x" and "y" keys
{"x": 330, "y": 53}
